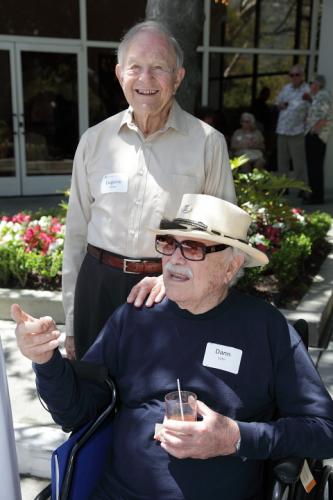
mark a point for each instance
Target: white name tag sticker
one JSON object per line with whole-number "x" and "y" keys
{"x": 114, "y": 183}
{"x": 222, "y": 357}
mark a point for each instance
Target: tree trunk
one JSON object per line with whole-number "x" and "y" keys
{"x": 184, "y": 18}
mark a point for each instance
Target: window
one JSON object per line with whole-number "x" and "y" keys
{"x": 109, "y": 20}
{"x": 105, "y": 95}
{"x": 40, "y": 18}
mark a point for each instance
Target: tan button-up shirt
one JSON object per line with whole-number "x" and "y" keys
{"x": 124, "y": 183}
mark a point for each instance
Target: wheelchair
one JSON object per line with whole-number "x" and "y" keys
{"x": 77, "y": 465}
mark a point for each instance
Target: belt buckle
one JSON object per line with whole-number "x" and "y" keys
{"x": 128, "y": 261}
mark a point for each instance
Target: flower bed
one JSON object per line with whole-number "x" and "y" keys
{"x": 31, "y": 251}
{"x": 293, "y": 239}
{"x": 31, "y": 245}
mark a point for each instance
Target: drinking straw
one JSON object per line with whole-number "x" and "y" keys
{"x": 180, "y": 399}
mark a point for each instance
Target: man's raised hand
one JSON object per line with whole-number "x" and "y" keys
{"x": 36, "y": 338}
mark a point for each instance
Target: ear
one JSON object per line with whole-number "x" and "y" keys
{"x": 179, "y": 76}
{"x": 119, "y": 73}
{"x": 233, "y": 267}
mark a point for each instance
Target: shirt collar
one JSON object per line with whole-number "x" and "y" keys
{"x": 176, "y": 120}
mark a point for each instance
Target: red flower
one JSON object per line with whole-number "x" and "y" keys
{"x": 21, "y": 218}
{"x": 262, "y": 247}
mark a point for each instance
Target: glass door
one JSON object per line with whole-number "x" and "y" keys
{"x": 45, "y": 119}
{"x": 9, "y": 165}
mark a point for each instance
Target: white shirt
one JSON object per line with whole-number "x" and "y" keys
{"x": 291, "y": 120}
{"x": 124, "y": 183}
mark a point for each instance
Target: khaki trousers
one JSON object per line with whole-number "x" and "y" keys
{"x": 292, "y": 147}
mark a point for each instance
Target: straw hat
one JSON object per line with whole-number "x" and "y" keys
{"x": 205, "y": 217}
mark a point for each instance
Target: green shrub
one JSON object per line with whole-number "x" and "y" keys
{"x": 31, "y": 245}
{"x": 286, "y": 234}
{"x": 31, "y": 251}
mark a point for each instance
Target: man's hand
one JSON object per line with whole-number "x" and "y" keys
{"x": 70, "y": 347}
{"x": 36, "y": 338}
{"x": 213, "y": 436}
{"x": 148, "y": 291}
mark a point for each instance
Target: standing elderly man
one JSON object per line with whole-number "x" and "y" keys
{"x": 317, "y": 130}
{"x": 290, "y": 129}
{"x": 128, "y": 171}
{"x": 259, "y": 393}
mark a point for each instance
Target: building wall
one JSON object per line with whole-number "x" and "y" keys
{"x": 325, "y": 67}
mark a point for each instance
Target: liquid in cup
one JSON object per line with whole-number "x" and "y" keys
{"x": 186, "y": 411}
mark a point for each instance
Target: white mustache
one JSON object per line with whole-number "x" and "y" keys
{"x": 179, "y": 269}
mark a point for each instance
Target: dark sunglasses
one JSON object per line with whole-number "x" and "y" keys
{"x": 294, "y": 74}
{"x": 190, "y": 249}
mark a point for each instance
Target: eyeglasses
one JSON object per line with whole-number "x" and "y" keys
{"x": 294, "y": 74}
{"x": 190, "y": 250}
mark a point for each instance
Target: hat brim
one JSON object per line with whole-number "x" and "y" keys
{"x": 255, "y": 257}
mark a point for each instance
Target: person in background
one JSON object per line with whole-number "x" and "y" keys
{"x": 262, "y": 111}
{"x": 317, "y": 129}
{"x": 129, "y": 170}
{"x": 259, "y": 394}
{"x": 249, "y": 141}
{"x": 290, "y": 130}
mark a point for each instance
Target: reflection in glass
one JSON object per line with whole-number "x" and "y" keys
{"x": 233, "y": 25}
{"x": 285, "y": 24}
{"x": 105, "y": 95}
{"x": 50, "y": 112}
{"x": 229, "y": 85}
{"x": 110, "y": 20}
{"x": 277, "y": 27}
{"x": 7, "y": 163}
{"x": 36, "y": 18}
{"x": 306, "y": 24}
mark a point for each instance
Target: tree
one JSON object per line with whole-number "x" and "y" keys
{"x": 184, "y": 18}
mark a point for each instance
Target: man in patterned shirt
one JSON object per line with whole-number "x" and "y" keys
{"x": 317, "y": 130}
{"x": 290, "y": 130}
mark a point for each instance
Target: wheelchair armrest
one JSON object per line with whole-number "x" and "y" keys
{"x": 288, "y": 470}
{"x": 45, "y": 494}
{"x": 94, "y": 372}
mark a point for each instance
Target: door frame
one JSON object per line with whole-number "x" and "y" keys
{"x": 21, "y": 184}
{"x": 11, "y": 185}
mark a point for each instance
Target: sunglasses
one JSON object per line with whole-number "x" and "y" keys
{"x": 294, "y": 74}
{"x": 190, "y": 249}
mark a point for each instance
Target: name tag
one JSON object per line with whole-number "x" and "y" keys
{"x": 222, "y": 357}
{"x": 114, "y": 183}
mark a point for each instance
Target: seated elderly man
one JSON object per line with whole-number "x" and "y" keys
{"x": 236, "y": 352}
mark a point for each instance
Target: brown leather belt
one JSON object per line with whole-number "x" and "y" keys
{"x": 131, "y": 266}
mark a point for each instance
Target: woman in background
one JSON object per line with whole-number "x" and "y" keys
{"x": 249, "y": 141}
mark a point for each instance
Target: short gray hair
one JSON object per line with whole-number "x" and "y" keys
{"x": 321, "y": 80}
{"x": 234, "y": 252}
{"x": 153, "y": 27}
{"x": 249, "y": 117}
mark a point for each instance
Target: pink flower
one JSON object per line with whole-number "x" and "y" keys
{"x": 21, "y": 217}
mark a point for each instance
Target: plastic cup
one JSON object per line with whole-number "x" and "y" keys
{"x": 187, "y": 410}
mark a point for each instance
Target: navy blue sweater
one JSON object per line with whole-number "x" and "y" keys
{"x": 146, "y": 350}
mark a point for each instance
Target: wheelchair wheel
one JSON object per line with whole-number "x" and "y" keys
{"x": 325, "y": 486}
